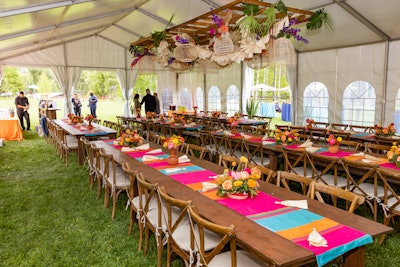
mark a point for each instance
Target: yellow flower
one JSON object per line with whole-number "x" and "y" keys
{"x": 233, "y": 164}
{"x": 339, "y": 139}
{"x": 244, "y": 159}
{"x": 237, "y": 183}
{"x": 290, "y": 139}
{"x": 252, "y": 183}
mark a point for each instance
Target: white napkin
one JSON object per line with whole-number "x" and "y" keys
{"x": 115, "y": 142}
{"x": 213, "y": 177}
{"x": 173, "y": 170}
{"x": 207, "y": 186}
{"x": 371, "y": 158}
{"x": 245, "y": 136}
{"x": 228, "y": 133}
{"x": 307, "y": 143}
{"x": 183, "y": 159}
{"x": 359, "y": 154}
{"x": 316, "y": 239}
{"x": 267, "y": 142}
{"x": 154, "y": 151}
{"x": 128, "y": 149}
{"x": 192, "y": 124}
{"x": 143, "y": 147}
{"x": 312, "y": 149}
{"x": 265, "y": 137}
{"x": 149, "y": 158}
{"x": 302, "y": 204}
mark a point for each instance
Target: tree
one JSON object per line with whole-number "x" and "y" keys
{"x": 45, "y": 85}
{"x": 11, "y": 81}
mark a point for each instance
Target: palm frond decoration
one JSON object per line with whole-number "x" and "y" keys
{"x": 321, "y": 18}
{"x": 250, "y": 10}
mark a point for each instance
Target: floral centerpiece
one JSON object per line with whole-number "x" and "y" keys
{"x": 233, "y": 122}
{"x": 239, "y": 184}
{"x": 387, "y": 131}
{"x": 75, "y": 119}
{"x": 309, "y": 123}
{"x": 393, "y": 154}
{"x": 173, "y": 143}
{"x": 215, "y": 114}
{"x": 130, "y": 138}
{"x": 286, "y": 137}
{"x": 334, "y": 143}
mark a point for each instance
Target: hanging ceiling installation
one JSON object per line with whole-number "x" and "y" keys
{"x": 32, "y": 25}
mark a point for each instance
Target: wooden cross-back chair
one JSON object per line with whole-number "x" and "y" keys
{"x": 286, "y": 180}
{"x": 339, "y": 126}
{"x": 325, "y": 170}
{"x": 150, "y": 217}
{"x": 295, "y": 161}
{"x": 376, "y": 148}
{"x": 115, "y": 182}
{"x": 200, "y": 152}
{"x": 255, "y": 153}
{"x": 267, "y": 174}
{"x": 355, "y": 200}
{"x": 218, "y": 256}
{"x": 363, "y": 180}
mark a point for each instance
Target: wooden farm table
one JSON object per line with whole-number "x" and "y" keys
{"x": 74, "y": 131}
{"x": 10, "y": 129}
{"x": 261, "y": 242}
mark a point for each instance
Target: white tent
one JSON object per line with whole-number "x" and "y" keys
{"x": 68, "y": 36}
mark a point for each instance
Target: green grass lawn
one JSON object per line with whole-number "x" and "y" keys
{"x": 50, "y": 217}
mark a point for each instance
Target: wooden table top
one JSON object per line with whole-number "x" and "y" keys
{"x": 258, "y": 240}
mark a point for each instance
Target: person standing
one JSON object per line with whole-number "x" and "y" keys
{"x": 77, "y": 105}
{"x": 157, "y": 109}
{"x": 22, "y": 106}
{"x": 93, "y": 104}
{"x": 136, "y": 104}
{"x": 149, "y": 102}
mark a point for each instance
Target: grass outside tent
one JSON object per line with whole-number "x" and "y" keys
{"x": 50, "y": 217}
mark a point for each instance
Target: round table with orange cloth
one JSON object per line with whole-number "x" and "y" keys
{"x": 10, "y": 129}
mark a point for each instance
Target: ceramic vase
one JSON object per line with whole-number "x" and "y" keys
{"x": 173, "y": 157}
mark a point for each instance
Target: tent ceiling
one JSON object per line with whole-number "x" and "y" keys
{"x": 31, "y": 25}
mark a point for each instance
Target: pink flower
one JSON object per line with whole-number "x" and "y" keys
{"x": 227, "y": 185}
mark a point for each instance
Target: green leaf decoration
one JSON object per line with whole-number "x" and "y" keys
{"x": 270, "y": 16}
{"x": 249, "y": 9}
{"x": 251, "y": 107}
{"x": 320, "y": 18}
{"x": 281, "y": 7}
{"x": 135, "y": 48}
{"x": 158, "y": 36}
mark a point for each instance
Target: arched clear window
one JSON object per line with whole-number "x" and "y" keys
{"x": 214, "y": 99}
{"x": 185, "y": 98}
{"x": 167, "y": 99}
{"x": 232, "y": 100}
{"x": 200, "y": 98}
{"x": 397, "y": 112}
{"x": 316, "y": 100}
{"x": 359, "y": 104}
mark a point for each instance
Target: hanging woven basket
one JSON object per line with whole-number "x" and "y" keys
{"x": 146, "y": 65}
{"x": 282, "y": 51}
{"x": 259, "y": 61}
{"x": 223, "y": 46}
{"x": 186, "y": 52}
{"x": 178, "y": 66}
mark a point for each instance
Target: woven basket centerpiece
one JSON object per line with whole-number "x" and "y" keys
{"x": 146, "y": 65}
{"x": 223, "y": 46}
{"x": 259, "y": 61}
{"x": 186, "y": 52}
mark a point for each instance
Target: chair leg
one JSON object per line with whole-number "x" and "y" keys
{"x": 146, "y": 240}
{"x": 99, "y": 184}
{"x": 140, "y": 235}
{"x": 159, "y": 248}
{"x": 114, "y": 207}
{"x": 131, "y": 217}
{"x": 106, "y": 196}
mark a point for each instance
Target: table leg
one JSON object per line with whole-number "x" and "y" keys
{"x": 354, "y": 258}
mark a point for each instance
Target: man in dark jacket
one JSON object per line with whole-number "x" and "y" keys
{"x": 22, "y": 105}
{"x": 149, "y": 102}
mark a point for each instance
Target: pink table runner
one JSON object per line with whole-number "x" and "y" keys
{"x": 292, "y": 223}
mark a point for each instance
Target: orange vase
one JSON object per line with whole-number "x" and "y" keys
{"x": 173, "y": 157}
{"x": 333, "y": 149}
{"x": 234, "y": 130}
